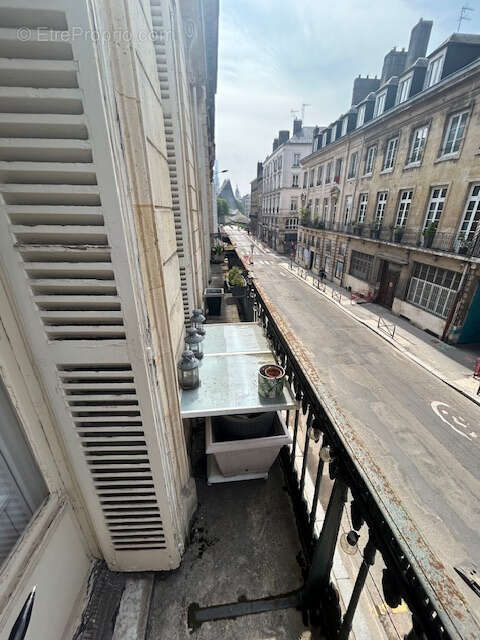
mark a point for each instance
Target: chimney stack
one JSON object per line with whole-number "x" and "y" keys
{"x": 275, "y": 144}
{"x": 297, "y": 127}
{"x": 419, "y": 37}
{"x": 283, "y": 136}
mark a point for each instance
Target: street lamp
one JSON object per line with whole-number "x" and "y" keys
{"x": 222, "y": 171}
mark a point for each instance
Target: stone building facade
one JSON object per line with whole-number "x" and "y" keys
{"x": 256, "y": 195}
{"x": 281, "y": 204}
{"x": 93, "y": 456}
{"x": 393, "y": 195}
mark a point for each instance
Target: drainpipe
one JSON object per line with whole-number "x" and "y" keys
{"x": 456, "y": 302}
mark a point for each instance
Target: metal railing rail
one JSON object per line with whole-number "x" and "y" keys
{"x": 444, "y": 241}
{"x": 387, "y": 327}
{"x": 412, "y": 572}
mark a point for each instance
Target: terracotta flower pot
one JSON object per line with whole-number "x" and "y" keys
{"x": 270, "y": 380}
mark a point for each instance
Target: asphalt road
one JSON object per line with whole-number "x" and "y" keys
{"x": 388, "y": 398}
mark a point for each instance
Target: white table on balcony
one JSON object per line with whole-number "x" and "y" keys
{"x": 233, "y": 354}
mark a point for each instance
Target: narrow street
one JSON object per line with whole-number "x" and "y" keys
{"x": 388, "y": 399}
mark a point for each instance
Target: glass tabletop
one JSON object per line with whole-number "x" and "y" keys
{"x": 229, "y": 385}
{"x": 238, "y": 337}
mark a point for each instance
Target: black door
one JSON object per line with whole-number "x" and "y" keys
{"x": 388, "y": 284}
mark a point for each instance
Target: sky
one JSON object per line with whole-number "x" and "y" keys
{"x": 275, "y": 55}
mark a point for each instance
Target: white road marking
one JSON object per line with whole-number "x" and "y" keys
{"x": 443, "y": 412}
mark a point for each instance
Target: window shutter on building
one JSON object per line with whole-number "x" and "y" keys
{"x": 65, "y": 252}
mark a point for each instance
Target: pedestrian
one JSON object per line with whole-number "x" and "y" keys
{"x": 322, "y": 274}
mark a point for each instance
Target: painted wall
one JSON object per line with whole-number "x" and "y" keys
{"x": 419, "y": 317}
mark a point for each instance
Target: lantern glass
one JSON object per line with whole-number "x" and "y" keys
{"x": 188, "y": 375}
{"x": 198, "y": 320}
{"x": 193, "y": 342}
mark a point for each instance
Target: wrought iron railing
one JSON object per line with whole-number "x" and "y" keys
{"x": 322, "y": 438}
{"x": 440, "y": 241}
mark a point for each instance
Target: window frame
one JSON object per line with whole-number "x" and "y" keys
{"x": 319, "y": 175}
{"x": 344, "y": 126}
{"x": 459, "y": 114}
{"x": 439, "y": 202}
{"x": 370, "y": 160}
{"x": 405, "y": 81}
{"x": 469, "y": 225}
{"x": 420, "y": 150}
{"x": 296, "y": 162}
{"x": 361, "y": 116}
{"x": 380, "y": 101}
{"x": 379, "y": 218}
{"x": 362, "y": 207}
{"x": 328, "y": 172}
{"x": 352, "y": 170}
{"x": 438, "y": 70}
{"x": 359, "y": 259}
{"x": 403, "y": 208}
{"x": 392, "y": 155}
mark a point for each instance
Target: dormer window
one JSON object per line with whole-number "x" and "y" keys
{"x": 361, "y": 115}
{"x": 434, "y": 71}
{"x": 334, "y": 133}
{"x": 344, "y": 126}
{"x": 380, "y": 104}
{"x": 403, "y": 91}
{"x": 325, "y": 138}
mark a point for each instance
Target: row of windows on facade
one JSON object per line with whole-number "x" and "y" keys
{"x": 433, "y": 75}
{"x": 290, "y": 223}
{"x": 450, "y": 147}
{"x": 468, "y": 228}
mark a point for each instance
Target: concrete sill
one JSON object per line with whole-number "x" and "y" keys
{"x": 447, "y": 157}
{"x": 412, "y": 165}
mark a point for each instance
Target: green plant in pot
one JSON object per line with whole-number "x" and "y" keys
{"x": 463, "y": 244}
{"x": 358, "y": 228}
{"x": 428, "y": 234}
{"x": 398, "y": 233}
{"x": 218, "y": 253}
{"x": 375, "y": 229}
{"x": 236, "y": 282}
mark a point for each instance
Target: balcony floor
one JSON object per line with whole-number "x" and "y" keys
{"x": 244, "y": 545}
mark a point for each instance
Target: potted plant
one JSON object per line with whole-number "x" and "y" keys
{"x": 429, "y": 234}
{"x": 398, "y": 232}
{"x": 320, "y": 224}
{"x": 218, "y": 254}
{"x": 375, "y": 230}
{"x": 463, "y": 244}
{"x": 236, "y": 282}
{"x": 304, "y": 216}
{"x": 358, "y": 228}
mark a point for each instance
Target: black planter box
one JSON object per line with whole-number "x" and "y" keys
{"x": 213, "y": 299}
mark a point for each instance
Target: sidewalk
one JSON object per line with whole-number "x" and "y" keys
{"x": 454, "y": 365}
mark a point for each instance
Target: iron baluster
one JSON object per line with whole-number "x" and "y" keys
{"x": 368, "y": 561}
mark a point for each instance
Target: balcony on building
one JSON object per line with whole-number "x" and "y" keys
{"x": 267, "y": 552}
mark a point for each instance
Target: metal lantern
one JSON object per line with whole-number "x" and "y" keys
{"x": 188, "y": 371}
{"x": 198, "y": 320}
{"x": 193, "y": 342}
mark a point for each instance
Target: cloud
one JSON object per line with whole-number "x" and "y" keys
{"x": 275, "y": 55}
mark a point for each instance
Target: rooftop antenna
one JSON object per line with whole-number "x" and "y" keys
{"x": 293, "y": 113}
{"x": 303, "y": 110}
{"x": 463, "y": 16}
